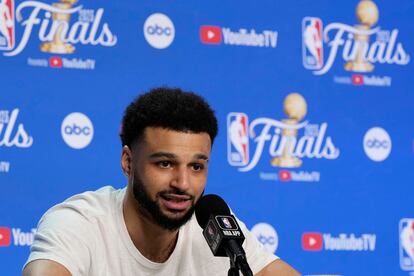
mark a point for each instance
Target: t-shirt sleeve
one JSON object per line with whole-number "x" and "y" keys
{"x": 257, "y": 255}
{"x": 64, "y": 236}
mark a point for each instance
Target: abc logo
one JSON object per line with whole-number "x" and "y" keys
{"x": 77, "y": 130}
{"x": 159, "y": 30}
{"x": 266, "y": 235}
{"x": 377, "y": 144}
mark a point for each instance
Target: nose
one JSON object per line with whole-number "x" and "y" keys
{"x": 181, "y": 179}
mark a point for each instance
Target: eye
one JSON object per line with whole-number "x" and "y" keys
{"x": 164, "y": 164}
{"x": 197, "y": 167}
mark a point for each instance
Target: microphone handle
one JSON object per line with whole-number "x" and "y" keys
{"x": 245, "y": 268}
{"x": 238, "y": 257}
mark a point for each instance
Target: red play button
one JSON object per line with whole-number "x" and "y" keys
{"x": 5, "y": 236}
{"x": 55, "y": 62}
{"x": 357, "y": 79}
{"x": 285, "y": 176}
{"x": 210, "y": 34}
{"x": 312, "y": 241}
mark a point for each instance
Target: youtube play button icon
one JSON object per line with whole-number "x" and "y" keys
{"x": 210, "y": 34}
{"x": 312, "y": 241}
{"x": 5, "y": 236}
{"x": 55, "y": 62}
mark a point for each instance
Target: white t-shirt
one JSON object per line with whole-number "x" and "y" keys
{"x": 87, "y": 234}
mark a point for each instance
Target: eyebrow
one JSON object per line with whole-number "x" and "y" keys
{"x": 163, "y": 154}
{"x": 173, "y": 156}
{"x": 201, "y": 156}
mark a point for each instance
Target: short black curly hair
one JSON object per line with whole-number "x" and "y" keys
{"x": 169, "y": 108}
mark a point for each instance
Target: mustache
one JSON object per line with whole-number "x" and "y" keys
{"x": 176, "y": 191}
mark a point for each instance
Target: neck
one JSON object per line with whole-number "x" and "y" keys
{"x": 152, "y": 241}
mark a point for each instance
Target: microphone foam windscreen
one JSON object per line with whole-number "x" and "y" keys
{"x": 210, "y": 204}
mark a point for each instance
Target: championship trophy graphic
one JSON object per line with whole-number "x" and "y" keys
{"x": 57, "y": 46}
{"x": 367, "y": 15}
{"x": 295, "y": 108}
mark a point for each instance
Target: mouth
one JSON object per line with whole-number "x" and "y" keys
{"x": 176, "y": 203}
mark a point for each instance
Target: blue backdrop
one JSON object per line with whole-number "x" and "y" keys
{"x": 314, "y": 101}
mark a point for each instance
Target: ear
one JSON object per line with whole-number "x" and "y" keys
{"x": 126, "y": 160}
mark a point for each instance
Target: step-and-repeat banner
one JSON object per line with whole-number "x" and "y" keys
{"x": 315, "y": 101}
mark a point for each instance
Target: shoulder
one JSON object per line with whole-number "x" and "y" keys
{"x": 80, "y": 215}
{"x": 86, "y": 206}
{"x": 68, "y": 232}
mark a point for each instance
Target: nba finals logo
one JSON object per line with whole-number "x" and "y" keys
{"x": 13, "y": 133}
{"x": 56, "y": 27}
{"x": 407, "y": 244}
{"x": 288, "y": 140}
{"x": 362, "y": 45}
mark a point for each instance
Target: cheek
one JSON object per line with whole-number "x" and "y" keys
{"x": 199, "y": 183}
{"x": 153, "y": 179}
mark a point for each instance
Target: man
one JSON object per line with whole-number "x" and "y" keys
{"x": 147, "y": 228}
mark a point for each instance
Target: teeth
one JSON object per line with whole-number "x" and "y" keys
{"x": 174, "y": 199}
{"x": 177, "y": 200}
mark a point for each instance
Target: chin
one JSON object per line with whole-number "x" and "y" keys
{"x": 175, "y": 215}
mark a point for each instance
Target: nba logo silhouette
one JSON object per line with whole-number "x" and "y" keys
{"x": 407, "y": 244}
{"x": 312, "y": 43}
{"x": 237, "y": 139}
{"x": 226, "y": 223}
{"x": 6, "y": 24}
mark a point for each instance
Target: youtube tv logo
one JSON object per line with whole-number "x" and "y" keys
{"x": 5, "y": 236}
{"x": 312, "y": 241}
{"x": 16, "y": 236}
{"x": 210, "y": 34}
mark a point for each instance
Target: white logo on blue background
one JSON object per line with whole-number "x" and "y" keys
{"x": 377, "y": 144}
{"x": 77, "y": 130}
{"x": 266, "y": 235}
{"x": 407, "y": 244}
{"x": 159, "y": 30}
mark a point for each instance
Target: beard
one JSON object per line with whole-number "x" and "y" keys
{"x": 152, "y": 210}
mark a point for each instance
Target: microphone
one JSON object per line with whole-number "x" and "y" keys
{"x": 222, "y": 232}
